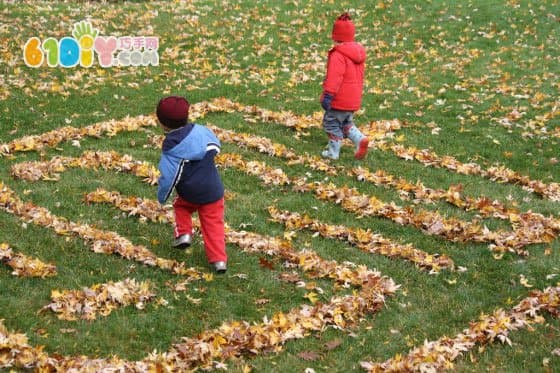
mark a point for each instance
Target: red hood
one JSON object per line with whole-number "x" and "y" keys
{"x": 352, "y": 50}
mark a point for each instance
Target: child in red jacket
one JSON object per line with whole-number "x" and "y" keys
{"x": 342, "y": 89}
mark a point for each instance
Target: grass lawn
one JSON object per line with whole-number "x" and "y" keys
{"x": 461, "y": 101}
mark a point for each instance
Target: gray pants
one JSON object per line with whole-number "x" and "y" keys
{"x": 337, "y": 123}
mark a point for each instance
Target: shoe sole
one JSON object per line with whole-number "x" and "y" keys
{"x": 362, "y": 149}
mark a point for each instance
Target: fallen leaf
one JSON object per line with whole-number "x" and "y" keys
{"x": 313, "y": 298}
{"x": 66, "y": 331}
{"x": 308, "y": 355}
{"x": 331, "y": 345}
{"x": 291, "y": 277}
{"x": 523, "y": 281}
{"x": 266, "y": 264}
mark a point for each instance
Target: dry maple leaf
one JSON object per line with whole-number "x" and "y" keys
{"x": 309, "y": 355}
{"x": 291, "y": 277}
{"x": 331, "y": 345}
{"x": 266, "y": 264}
{"x": 99, "y": 299}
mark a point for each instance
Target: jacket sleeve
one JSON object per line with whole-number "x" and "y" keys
{"x": 213, "y": 142}
{"x": 169, "y": 172}
{"x": 335, "y": 73}
{"x": 198, "y": 143}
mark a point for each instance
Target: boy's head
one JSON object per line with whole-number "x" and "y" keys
{"x": 173, "y": 111}
{"x": 343, "y": 29}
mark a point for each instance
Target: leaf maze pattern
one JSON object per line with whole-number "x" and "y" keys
{"x": 341, "y": 311}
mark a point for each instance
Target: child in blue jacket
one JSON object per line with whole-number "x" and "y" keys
{"x": 187, "y": 164}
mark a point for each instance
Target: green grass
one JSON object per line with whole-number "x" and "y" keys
{"x": 461, "y": 65}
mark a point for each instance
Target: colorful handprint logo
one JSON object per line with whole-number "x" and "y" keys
{"x": 85, "y": 43}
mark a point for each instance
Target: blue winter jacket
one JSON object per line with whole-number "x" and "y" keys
{"x": 187, "y": 163}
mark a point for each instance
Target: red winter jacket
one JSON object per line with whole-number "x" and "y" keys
{"x": 345, "y": 75}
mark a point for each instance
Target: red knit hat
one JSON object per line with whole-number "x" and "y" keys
{"x": 343, "y": 28}
{"x": 173, "y": 111}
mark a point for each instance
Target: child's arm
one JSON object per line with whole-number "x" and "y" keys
{"x": 169, "y": 173}
{"x": 335, "y": 74}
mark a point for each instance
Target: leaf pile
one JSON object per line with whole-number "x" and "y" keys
{"x": 439, "y": 355}
{"x": 231, "y": 339}
{"x": 49, "y": 170}
{"x": 531, "y": 229}
{"x": 146, "y": 209}
{"x": 197, "y": 110}
{"x": 24, "y": 266}
{"x": 311, "y": 263}
{"x": 268, "y": 175}
{"x": 365, "y": 240}
{"x": 238, "y": 338}
{"x": 420, "y": 193}
{"x": 101, "y": 241}
{"x": 483, "y": 205}
{"x": 15, "y": 352}
{"x": 286, "y": 118}
{"x": 497, "y": 173}
{"x": 111, "y": 160}
{"x": 66, "y": 133}
{"x": 99, "y": 300}
{"x": 430, "y": 222}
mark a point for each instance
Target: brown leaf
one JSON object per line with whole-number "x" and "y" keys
{"x": 308, "y": 355}
{"x": 291, "y": 277}
{"x": 331, "y": 345}
{"x": 66, "y": 331}
{"x": 266, "y": 264}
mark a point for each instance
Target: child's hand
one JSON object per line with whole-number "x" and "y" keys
{"x": 326, "y": 101}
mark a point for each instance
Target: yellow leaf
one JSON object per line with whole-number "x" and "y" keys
{"x": 313, "y": 298}
{"x": 523, "y": 281}
{"x": 289, "y": 235}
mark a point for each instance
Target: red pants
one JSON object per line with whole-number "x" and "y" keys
{"x": 211, "y": 216}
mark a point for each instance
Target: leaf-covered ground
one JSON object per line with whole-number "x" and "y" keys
{"x": 438, "y": 251}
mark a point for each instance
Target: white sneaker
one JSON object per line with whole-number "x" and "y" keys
{"x": 183, "y": 241}
{"x": 220, "y": 267}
